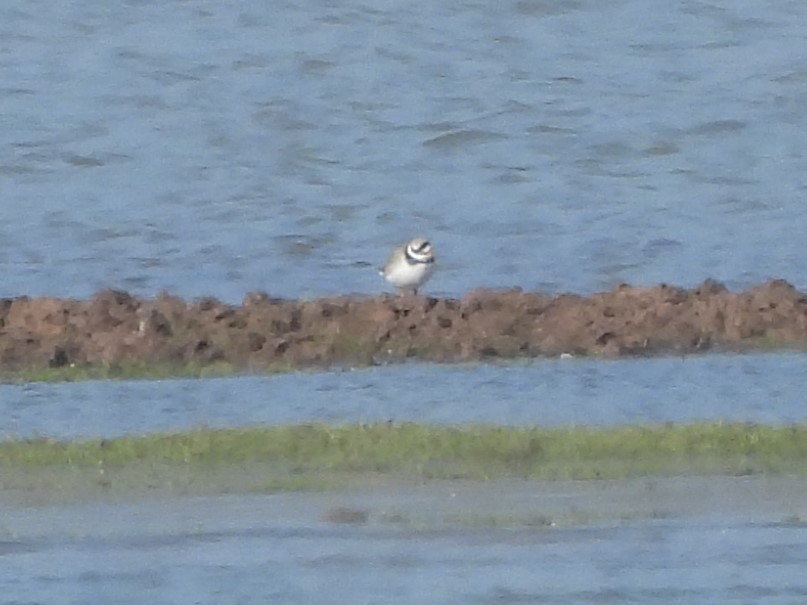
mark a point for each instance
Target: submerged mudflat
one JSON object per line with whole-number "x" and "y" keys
{"x": 116, "y": 328}
{"x": 502, "y": 503}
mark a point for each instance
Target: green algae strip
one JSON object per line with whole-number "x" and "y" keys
{"x": 320, "y": 456}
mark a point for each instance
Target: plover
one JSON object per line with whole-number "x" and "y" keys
{"x": 409, "y": 266}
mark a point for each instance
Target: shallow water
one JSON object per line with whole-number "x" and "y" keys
{"x": 716, "y": 540}
{"x": 742, "y": 388}
{"x": 218, "y": 147}
{"x": 278, "y": 549}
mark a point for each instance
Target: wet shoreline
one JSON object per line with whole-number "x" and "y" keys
{"x": 262, "y": 333}
{"x": 459, "y": 504}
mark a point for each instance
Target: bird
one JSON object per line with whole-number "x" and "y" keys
{"x": 409, "y": 266}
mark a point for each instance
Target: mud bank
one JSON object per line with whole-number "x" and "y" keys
{"x": 262, "y": 332}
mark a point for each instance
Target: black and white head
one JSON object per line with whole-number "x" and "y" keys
{"x": 419, "y": 250}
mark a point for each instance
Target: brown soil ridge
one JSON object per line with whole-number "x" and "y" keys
{"x": 262, "y": 332}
